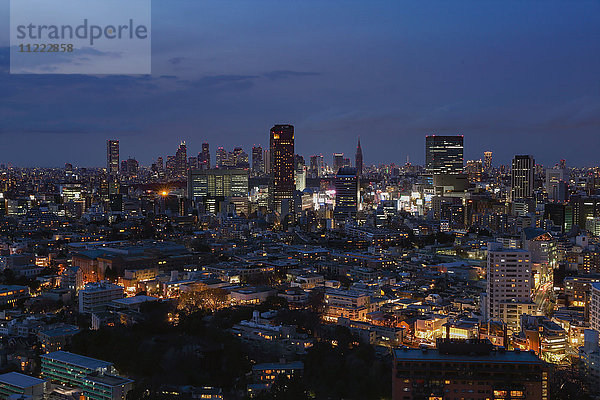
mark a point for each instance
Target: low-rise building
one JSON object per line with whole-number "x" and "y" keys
{"x": 457, "y": 368}
{"x": 14, "y": 383}
{"x": 97, "y": 296}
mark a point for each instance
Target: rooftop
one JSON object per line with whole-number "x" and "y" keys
{"x": 78, "y": 360}
{"x": 110, "y": 380}
{"x": 20, "y": 380}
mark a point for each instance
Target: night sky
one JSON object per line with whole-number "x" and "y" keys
{"x": 511, "y": 76}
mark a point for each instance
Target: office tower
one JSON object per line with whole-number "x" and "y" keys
{"x": 240, "y": 159}
{"x": 112, "y": 157}
{"x": 444, "y": 154}
{"x": 474, "y": 169}
{"x": 267, "y": 161}
{"x": 313, "y": 169}
{"x": 160, "y": 164}
{"x": 557, "y": 185}
{"x": 457, "y": 367}
{"x": 170, "y": 166}
{"x": 282, "y": 165}
{"x": 131, "y": 167}
{"x": 487, "y": 162}
{"x": 346, "y": 194}
{"x": 258, "y": 165}
{"x": 221, "y": 157}
{"x": 192, "y": 163}
{"x": 317, "y": 166}
{"x": 509, "y": 285}
{"x": 300, "y": 173}
{"x": 181, "y": 160}
{"x": 204, "y": 157}
{"x": 112, "y": 166}
{"x": 217, "y": 183}
{"x": 338, "y": 161}
{"x": 522, "y": 177}
{"x": 359, "y": 159}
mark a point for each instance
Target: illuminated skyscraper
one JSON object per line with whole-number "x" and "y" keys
{"x": 112, "y": 166}
{"x": 317, "y": 165}
{"x": 359, "y": 159}
{"x": 282, "y": 165}
{"x": 487, "y": 162}
{"x": 112, "y": 157}
{"x": 444, "y": 154}
{"x": 221, "y": 157}
{"x": 204, "y": 157}
{"x": 181, "y": 160}
{"x": 346, "y": 194}
{"x": 522, "y": 177}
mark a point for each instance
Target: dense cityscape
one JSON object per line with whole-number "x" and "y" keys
{"x": 216, "y": 274}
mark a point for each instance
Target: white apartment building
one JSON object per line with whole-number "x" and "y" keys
{"x": 509, "y": 282}
{"x": 96, "y": 296}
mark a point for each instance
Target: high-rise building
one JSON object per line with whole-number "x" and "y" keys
{"x": 181, "y": 160}
{"x": 240, "y": 158}
{"x": 338, "y": 161}
{"x": 346, "y": 194}
{"x": 217, "y": 183}
{"x": 221, "y": 157}
{"x": 487, "y": 162}
{"x": 557, "y": 185}
{"x": 170, "y": 166}
{"x": 316, "y": 166}
{"x": 522, "y": 177}
{"x": 509, "y": 285}
{"x": 258, "y": 165}
{"x": 444, "y": 154}
{"x": 359, "y": 159}
{"x": 300, "y": 173}
{"x": 112, "y": 157}
{"x": 282, "y": 166}
{"x": 112, "y": 166}
{"x": 204, "y": 157}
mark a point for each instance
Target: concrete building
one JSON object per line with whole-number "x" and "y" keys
{"x": 467, "y": 369}
{"x": 348, "y": 304}
{"x": 96, "y": 296}
{"x": 509, "y": 279}
{"x": 95, "y": 377}
{"x": 14, "y": 383}
{"x": 11, "y": 294}
{"x": 595, "y": 306}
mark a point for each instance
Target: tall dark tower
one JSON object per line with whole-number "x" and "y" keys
{"x": 112, "y": 166}
{"x": 346, "y": 194}
{"x": 204, "y": 157}
{"x": 522, "y": 177}
{"x": 282, "y": 166}
{"x": 258, "y": 164}
{"x": 112, "y": 157}
{"x": 181, "y": 160}
{"x": 359, "y": 159}
{"x": 444, "y": 154}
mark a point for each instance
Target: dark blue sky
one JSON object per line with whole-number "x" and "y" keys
{"x": 511, "y": 76}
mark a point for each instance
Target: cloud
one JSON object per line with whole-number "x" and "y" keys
{"x": 284, "y": 74}
{"x": 176, "y": 60}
